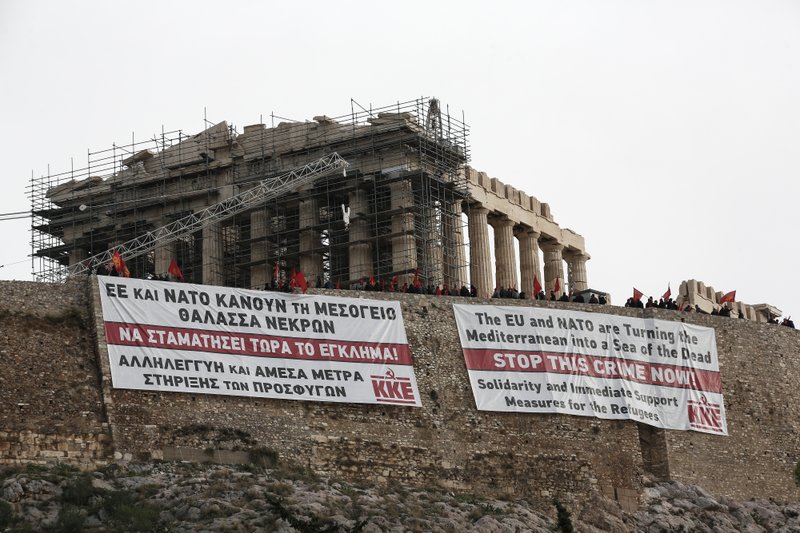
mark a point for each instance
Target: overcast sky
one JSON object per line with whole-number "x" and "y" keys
{"x": 666, "y": 133}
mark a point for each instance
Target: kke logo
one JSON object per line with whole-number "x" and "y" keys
{"x": 705, "y": 415}
{"x": 389, "y": 388}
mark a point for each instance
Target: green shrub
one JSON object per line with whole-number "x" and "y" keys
{"x": 797, "y": 473}
{"x": 297, "y": 472}
{"x": 264, "y": 457}
{"x": 6, "y": 515}
{"x": 305, "y": 523}
{"x": 64, "y": 470}
{"x": 129, "y": 514}
{"x": 34, "y": 469}
{"x": 70, "y": 520}
{"x": 563, "y": 518}
{"x": 79, "y": 491}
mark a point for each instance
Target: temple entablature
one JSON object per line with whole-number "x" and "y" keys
{"x": 703, "y": 298}
{"x": 511, "y": 211}
{"x": 520, "y": 207}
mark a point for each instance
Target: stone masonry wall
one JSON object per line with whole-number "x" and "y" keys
{"x": 446, "y": 442}
{"x": 49, "y": 381}
{"x": 56, "y": 408}
{"x": 760, "y": 368}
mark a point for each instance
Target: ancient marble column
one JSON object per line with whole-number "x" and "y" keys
{"x": 162, "y": 257}
{"x": 360, "y": 249}
{"x": 504, "y": 257}
{"x": 404, "y": 244}
{"x": 433, "y": 247}
{"x": 76, "y": 255}
{"x": 212, "y": 255}
{"x": 213, "y": 246}
{"x": 310, "y": 256}
{"x": 529, "y": 263}
{"x": 553, "y": 267}
{"x": 480, "y": 263}
{"x": 163, "y": 253}
{"x": 260, "y": 274}
{"x": 576, "y": 263}
{"x": 455, "y": 258}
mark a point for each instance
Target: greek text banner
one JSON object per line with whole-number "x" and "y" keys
{"x": 218, "y": 340}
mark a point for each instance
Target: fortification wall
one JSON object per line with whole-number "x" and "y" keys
{"x": 760, "y": 368}
{"x": 49, "y": 390}
{"x": 446, "y": 442}
{"x": 51, "y": 370}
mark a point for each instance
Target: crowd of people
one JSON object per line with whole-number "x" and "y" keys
{"x": 380, "y": 285}
{"x": 785, "y": 322}
{"x": 512, "y": 293}
{"x": 724, "y": 310}
{"x": 669, "y": 303}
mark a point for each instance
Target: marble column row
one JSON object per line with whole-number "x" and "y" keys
{"x": 445, "y": 262}
{"x": 505, "y": 268}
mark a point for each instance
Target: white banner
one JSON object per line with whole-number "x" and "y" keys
{"x": 538, "y": 360}
{"x": 205, "y": 339}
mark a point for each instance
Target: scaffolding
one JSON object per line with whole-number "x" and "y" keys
{"x": 405, "y": 191}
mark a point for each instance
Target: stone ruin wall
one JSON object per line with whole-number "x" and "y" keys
{"x": 52, "y": 409}
{"x": 446, "y": 442}
{"x": 45, "y": 337}
{"x": 699, "y": 295}
{"x": 760, "y": 367}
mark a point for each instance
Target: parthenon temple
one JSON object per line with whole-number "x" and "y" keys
{"x": 409, "y": 206}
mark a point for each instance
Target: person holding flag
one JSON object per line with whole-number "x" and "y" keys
{"x": 728, "y": 297}
{"x": 636, "y": 299}
{"x": 174, "y": 270}
{"x": 537, "y": 287}
{"x": 119, "y": 265}
{"x": 300, "y": 281}
{"x": 557, "y": 287}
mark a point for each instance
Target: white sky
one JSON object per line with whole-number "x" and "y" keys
{"x": 666, "y": 133}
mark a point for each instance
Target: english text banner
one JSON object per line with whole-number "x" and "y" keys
{"x": 538, "y": 360}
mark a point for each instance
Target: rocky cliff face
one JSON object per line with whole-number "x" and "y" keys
{"x": 184, "y": 497}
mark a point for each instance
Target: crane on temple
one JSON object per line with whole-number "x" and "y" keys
{"x": 267, "y": 189}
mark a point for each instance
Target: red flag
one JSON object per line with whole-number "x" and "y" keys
{"x": 276, "y": 272}
{"x": 557, "y": 287}
{"x": 728, "y": 297}
{"x": 338, "y": 285}
{"x": 301, "y": 281}
{"x": 175, "y": 270}
{"x": 116, "y": 259}
{"x": 537, "y": 287}
{"x": 293, "y": 279}
{"x": 417, "y": 283}
{"x": 119, "y": 265}
{"x": 637, "y": 294}
{"x": 371, "y": 279}
{"x": 667, "y": 294}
